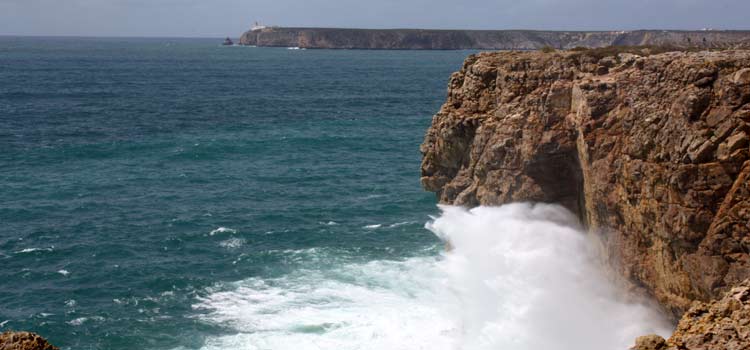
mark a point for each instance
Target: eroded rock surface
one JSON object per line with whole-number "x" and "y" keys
{"x": 651, "y": 151}
{"x": 24, "y": 341}
{"x": 720, "y": 325}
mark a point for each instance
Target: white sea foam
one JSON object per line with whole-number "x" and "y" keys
{"x": 372, "y": 227}
{"x": 31, "y": 250}
{"x": 64, "y": 272}
{"x": 222, "y": 230}
{"x": 380, "y": 305}
{"x": 518, "y": 277}
{"x": 401, "y": 224}
{"x": 81, "y": 320}
{"x": 232, "y": 243}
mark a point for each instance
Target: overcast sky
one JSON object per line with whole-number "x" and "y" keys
{"x": 218, "y": 18}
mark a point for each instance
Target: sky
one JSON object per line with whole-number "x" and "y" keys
{"x": 220, "y": 18}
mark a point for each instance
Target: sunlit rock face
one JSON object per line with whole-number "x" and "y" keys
{"x": 650, "y": 151}
{"x": 723, "y": 324}
{"x": 24, "y": 341}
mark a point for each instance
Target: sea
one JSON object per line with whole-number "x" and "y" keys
{"x": 170, "y": 193}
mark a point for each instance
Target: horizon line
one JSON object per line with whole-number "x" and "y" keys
{"x": 156, "y": 36}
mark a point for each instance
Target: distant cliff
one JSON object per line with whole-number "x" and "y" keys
{"x": 429, "y": 39}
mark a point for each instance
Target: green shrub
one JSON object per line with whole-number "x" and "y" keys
{"x": 547, "y": 49}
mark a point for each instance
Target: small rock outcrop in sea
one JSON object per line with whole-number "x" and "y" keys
{"x": 719, "y": 325}
{"x": 24, "y": 341}
{"x": 650, "y": 150}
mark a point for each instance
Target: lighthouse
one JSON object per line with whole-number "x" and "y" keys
{"x": 257, "y": 26}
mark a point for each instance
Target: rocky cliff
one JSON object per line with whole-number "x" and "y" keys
{"x": 427, "y": 39}
{"x": 651, "y": 151}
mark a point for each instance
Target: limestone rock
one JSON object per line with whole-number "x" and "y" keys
{"x": 720, "y": 325}
{"x": 651, "y": 154}
{"x": 24, "y": 341}
{"x": 650, "y": 342}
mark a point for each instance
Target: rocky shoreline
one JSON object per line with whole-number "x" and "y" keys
{"x": 650, "y": 150}
{"x": 431, "y": 39}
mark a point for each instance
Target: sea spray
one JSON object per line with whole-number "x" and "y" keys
{"x": 526, "y": 277}
{"x": 518, "y": 277}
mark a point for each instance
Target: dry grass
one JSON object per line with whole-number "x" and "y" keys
{"x": 647, "y": 50}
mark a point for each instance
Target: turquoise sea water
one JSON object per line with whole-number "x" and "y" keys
{"x": 177, "y": 194}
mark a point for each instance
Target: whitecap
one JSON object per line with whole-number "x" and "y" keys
{"x": 232, "y": 243}
{"x": 31, "y": 250}
{"x": 372, "y": 227}
{"x": 222, "y": 230}
{"x": 81, "y": 320}
{"x": 330, "y": 223}
{"x": 373, "y": 196}
{"x": 63, "y": 272}
{"x": 401, "y": 224}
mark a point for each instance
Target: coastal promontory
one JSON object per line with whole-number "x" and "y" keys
{"x": 433, "y": 39}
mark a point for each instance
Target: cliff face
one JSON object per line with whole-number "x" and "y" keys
{"x": 427, "y": 39}
{"x": 651, "y": 152}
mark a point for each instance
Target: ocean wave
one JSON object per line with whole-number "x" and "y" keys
{"x": 517, "y": 277}
{"x": 372, "y": 227}
{"x": 378, "y": 305}
{"x": 31, "y": 250}
{"x": 401, "y": 224}
{"x": 232, "y": 243}
{"x": 222, "y": 230}
{"x": 81, "y": 320}
{"x": 329, "y": 223}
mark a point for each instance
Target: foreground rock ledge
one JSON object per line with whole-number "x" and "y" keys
{"x": 721, "y": 325}
{"x": 24, "y": 341}
{"x": 651, "y": 151}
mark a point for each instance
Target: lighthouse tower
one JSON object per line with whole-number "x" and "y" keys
{"x": 257, "y": 26}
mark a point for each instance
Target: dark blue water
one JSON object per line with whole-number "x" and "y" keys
{"x": 141, "y": 177}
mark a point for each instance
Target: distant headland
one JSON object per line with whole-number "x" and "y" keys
{"x": 434, "y": 39}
